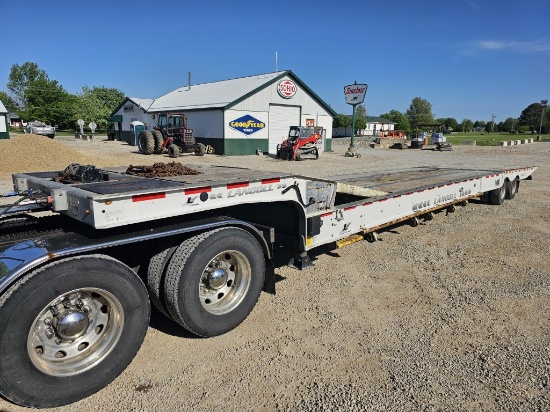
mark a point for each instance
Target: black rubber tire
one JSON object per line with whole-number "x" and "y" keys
{"x": 511, "y": 188}
{"x": 159, "y": 140}
{"x": 156, "y": 272}
{"x": 185, "y": 281}
{"x": 146, "y": 142}
{"x": 200, "y": 150}
{"x": 316, "y": 154}
{"x": 173, "y": 151}
{"x": 497, "y": 196}
{"x": 35, "y": 378}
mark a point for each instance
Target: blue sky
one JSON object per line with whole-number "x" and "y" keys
{"x": 468, "y": 58}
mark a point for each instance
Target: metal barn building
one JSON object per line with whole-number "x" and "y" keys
{"x": 237, "y": 116}
{"x": 4, "y": 128}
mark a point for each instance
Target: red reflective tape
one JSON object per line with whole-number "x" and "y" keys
{"x": 269, "y": 181}
{"x": 198, "y": 190}
{"x": 431, "y": 188}
{"x": 410, "y": 193}
{"x": 349, "y": 208}
{"x": 148, "y": 196}
{"x": 383, "y": 200}
{"x": 368, "y": 203}
{"x": 326, "y": 214}
{"x": 237, "y": 185}
{"x": 396, "y": 196}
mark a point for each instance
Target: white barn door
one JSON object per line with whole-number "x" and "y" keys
{"x": 280, "y": 120}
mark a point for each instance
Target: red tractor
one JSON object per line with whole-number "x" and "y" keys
{"x": 301, "y": 141}
{"x": 170, "y": 133}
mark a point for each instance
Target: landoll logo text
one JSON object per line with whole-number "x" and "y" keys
{"x": 247, "y": 124}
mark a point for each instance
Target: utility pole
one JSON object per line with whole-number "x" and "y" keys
{"x": 493, "y": 122}
{"x": 543, "y": 103}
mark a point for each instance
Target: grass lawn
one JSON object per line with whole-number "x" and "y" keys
{"x": 489, "y": 139}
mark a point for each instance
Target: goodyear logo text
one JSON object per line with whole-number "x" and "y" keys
{"x": 247, "y": 124}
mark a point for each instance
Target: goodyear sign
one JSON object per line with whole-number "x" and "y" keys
{"x": 247, "y": 124}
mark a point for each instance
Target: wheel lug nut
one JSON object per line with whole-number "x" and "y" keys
{"x": 48, "y": 321}
{"x": 66, "y": 303}
{"x": 57, "y": 340}
{"x": 49, "y": 333}
{"x": 78, "y": 303}
{"x": 54, "y": 310}
{"x": 86, "y": 309}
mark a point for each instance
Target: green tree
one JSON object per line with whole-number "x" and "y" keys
{"x": 530, "y": 117}
{"x": 401, "y": 121}
{"x": 46, "y": 100}
{"x": 22, "y": 78}
{"x": 509, "y": 125}
{"x": 97, "y": 103}
{"x": 466, "y": 126}
{"x": 361, "y": 111}
{"x": 480, "y": 123}
{"x": 11, "y": 105}
{"x": 341, "y": 120}
{"x": 419, "y": 112}
{"x": 491, "y": 127}
{"x": 360, "y": 123}
{"x": 451, "y": 123}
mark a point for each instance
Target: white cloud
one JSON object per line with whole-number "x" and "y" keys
{"x": 537, "y": 46}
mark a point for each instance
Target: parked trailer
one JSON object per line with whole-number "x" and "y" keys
{"x": 76, "y": 286}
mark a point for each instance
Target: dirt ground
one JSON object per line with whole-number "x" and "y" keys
{"x": 453, "y": 315}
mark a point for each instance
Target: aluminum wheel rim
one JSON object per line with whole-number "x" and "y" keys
{"x": 75, "y": 332}
{"x": 225, "y": 282}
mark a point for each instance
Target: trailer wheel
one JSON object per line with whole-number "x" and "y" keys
{"x": 146, "y": 142}
{"x": 173, "y": 150}
{"x": 68, "y": 329}
{"x": 156, "y": 272}
{"x": 159, "y": 140}
{"x": 316, "y": 154}
{"x": 511, "y": 188}
{"x": 214, "y": 280}
{"x": 200, "y": 150}
{"x": 497, "y": 196}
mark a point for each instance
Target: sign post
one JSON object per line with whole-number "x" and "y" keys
{"x": 354, "y": 94}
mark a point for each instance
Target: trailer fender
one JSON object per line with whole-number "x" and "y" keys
{"x": 20, "y": 258}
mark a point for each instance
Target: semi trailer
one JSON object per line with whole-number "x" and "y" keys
{"x": 85, "y": 251}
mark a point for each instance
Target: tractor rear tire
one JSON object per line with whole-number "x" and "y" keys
{"x": 173, "y": 150}
{"x": 200, "y": 150}
{"x": 214, "y": 280}
{"x": 159, "y": 140}
{"x": 146, "y": 142}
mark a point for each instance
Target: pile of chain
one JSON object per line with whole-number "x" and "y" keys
{"x": 161, "y": 170}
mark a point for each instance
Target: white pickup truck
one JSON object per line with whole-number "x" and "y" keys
{"x": 41, "y": 128}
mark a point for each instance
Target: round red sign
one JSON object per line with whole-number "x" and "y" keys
{"x": 286, "y": 89}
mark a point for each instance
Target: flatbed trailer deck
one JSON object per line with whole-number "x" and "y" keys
{"x": 76, "y": 286}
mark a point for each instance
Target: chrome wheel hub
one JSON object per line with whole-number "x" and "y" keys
{"x": 225, "y": 282}
{"x": 75, "y": 331}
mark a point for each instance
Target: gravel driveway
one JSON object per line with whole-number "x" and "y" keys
{"x": 453, "y": 315}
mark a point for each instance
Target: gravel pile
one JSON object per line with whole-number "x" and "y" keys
{"x": 449, "y": 316}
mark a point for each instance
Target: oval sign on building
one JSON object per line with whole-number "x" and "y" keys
{"x": 355, "y": 93}
{"x": 286, "y": 89}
